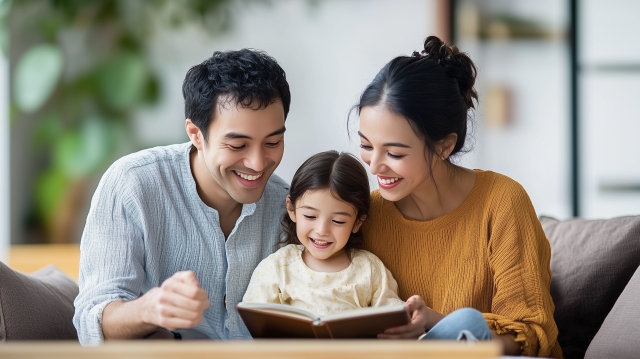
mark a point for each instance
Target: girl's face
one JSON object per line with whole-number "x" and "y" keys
{"x": 323, "y": 223}
{"x": 394, "y": 153}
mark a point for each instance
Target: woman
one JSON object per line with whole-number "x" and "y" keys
{"x": 453, "y": 237}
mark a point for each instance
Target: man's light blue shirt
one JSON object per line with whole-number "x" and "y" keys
{"x": 147, "y": 222}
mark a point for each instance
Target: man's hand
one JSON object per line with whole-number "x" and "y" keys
{"x": 422, "y": 318}
{"x": 178, "y": 303}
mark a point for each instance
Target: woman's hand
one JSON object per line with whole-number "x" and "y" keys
{"x": 422, "y": 317}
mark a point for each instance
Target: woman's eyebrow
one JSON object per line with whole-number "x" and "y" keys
{"x": 388, "y": 144}
{"x": 396, "y": 144}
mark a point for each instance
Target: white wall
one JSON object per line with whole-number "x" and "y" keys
{"x": 610, "y": 124}
{"x": 534, "y": 147}
{"x": 4, "y": 158}
{"x": 330, "y": 52}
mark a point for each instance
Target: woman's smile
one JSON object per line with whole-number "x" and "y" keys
{"x": 389, "y": 182}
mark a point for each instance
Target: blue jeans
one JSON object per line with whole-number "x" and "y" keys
{"x": 463, "y": 324}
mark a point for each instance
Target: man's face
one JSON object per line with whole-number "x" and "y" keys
{"x": 244, "y": 148}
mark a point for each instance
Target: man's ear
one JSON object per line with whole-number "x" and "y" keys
{"x": 291, "y": 210}
{"x": 194, "y": 133}
{"x": 359, "y": 221}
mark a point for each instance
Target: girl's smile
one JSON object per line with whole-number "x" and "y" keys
{"x": 320, "y": 243}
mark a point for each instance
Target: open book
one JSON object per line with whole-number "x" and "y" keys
{"x": 266, "y": 320}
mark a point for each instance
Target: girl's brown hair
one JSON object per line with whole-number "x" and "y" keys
{"x": 340, "y": 173}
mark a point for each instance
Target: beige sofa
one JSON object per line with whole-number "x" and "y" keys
{"x": 592, "y": 263}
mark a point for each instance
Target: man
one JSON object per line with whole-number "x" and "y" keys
{"x": 174, "y": 232}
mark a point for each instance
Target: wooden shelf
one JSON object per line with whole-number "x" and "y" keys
{"x": 611, "y": 67}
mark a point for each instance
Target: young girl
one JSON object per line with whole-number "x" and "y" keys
{"x": 320, "y": 269}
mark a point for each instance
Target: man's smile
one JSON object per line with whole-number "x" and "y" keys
{"x": 248, "y": 177}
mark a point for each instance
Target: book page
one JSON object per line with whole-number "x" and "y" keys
{"x": 281, "y": 309}
{"x": 364, "y": 312}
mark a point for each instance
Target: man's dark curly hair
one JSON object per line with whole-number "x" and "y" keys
{"x": 247, "y": 77}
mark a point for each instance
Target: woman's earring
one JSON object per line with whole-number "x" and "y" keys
{"x": 442, "y": 158}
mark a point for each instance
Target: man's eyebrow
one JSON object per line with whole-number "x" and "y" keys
{"x": 342, "y": 213}
{"x": 235, "y": 135}
{"x": 277, "y": 132}
{"x": 388, "y": 144}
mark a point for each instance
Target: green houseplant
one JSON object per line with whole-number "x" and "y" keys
{"x": 80, "y": 73}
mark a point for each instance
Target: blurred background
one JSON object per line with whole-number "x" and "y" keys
{"x": 85, "y": 82}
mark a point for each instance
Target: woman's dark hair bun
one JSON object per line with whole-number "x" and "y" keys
{"x": 457, "y": 64}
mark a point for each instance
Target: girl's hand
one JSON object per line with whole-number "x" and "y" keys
{"x": 420, "y": 321}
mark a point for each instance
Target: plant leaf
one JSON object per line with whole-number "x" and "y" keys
{"x": 46, "y": 131}
{"x": 36, "y": 76}
{"x": 80, "y": 152}
{"x": 50, "y": 188}
{"x": 122, "y": 80}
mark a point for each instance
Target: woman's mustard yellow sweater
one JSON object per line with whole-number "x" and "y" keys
{"x": 490, "y": 254}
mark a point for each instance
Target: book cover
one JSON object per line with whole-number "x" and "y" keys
{"x": 267, "y": 320}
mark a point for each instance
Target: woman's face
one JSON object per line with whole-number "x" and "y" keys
{"x": 393, "y": 151}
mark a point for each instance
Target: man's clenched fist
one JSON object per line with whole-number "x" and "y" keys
{"x": 178, "y": 303}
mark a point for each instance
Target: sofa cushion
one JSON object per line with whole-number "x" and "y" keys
{"x": 591, "y": 262}
{"x": 37, "y": 306}
{"x": 618, "y": 335}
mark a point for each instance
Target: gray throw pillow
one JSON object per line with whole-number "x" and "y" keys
{"x": 591, "y": 263}
{"x": 36, "y": 306}
{"x": 618, "y": 335}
